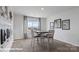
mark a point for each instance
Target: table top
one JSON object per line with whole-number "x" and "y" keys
{"x": 41, "y": 31}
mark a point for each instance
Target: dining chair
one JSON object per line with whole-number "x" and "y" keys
{"x": 48, "y": 36}
{"x": 51, "y": 34}
{"x": 35, "y": 38}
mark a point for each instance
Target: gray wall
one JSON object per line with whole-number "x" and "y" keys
{"x": 70, "y": 36}
{"x": 18, "y": 26}
{"x": 43, "y": 24}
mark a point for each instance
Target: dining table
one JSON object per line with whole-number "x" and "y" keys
{"x": 40, "y": 33}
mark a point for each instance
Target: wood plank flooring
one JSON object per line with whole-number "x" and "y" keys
{"x": 30, "y": 45}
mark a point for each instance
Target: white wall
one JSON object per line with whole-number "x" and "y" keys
{"x": 7, "y": 23}
{"x": 43, "y": 24}
{"x": 70, "y": 36}
{"x": 18, "y": 26}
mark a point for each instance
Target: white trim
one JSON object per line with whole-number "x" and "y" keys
{"x": 69, "y": 42}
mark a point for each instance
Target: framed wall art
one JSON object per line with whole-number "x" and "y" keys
{"x": 57, "y": 23}
{"x": 51, "y": 25}
{"x": 4, "y": 11}
{"x": 5, "y": 8}
{"x": 1, "y": 9}
{"x": 10, "y": 15}
{"x": 66, "y": 24}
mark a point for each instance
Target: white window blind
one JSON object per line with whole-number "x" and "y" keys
{"x": 33, "y": 22}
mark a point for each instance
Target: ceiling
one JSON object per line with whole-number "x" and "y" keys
{"x": 35, "y": 11}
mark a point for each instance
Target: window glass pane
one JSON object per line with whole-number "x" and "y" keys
{"x": 33, "y": 22}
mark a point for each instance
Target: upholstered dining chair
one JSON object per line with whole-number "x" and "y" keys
{"x": 49, "y": 36}
{"x": 35, "y": 38}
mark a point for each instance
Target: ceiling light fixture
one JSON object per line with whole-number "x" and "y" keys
{"x": 42, "y": 9}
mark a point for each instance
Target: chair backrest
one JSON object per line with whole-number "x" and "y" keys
{"x": 51, "y": 33}
{"x": 33, "y": 33}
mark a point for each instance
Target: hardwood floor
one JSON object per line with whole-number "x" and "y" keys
{"x": 29, "y": 45}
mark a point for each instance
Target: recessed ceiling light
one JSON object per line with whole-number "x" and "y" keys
{"x": 42, "y": 9}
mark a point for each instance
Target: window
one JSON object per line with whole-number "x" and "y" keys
{"x": 33, "y": 22}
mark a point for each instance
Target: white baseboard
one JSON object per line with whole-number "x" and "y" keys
{"x": 69, "y": 43}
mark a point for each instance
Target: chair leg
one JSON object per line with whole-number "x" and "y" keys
{"x": 48, "y": 44}
{"x": 42, "y": 42}
{"x": 33, "y": 44}
{"x": 37, "y": 40}
{"x": 53, "y": 43}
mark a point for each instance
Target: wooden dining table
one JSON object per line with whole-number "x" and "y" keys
{"x": 41, "y": 32}
{"x": 42, "y": 36}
